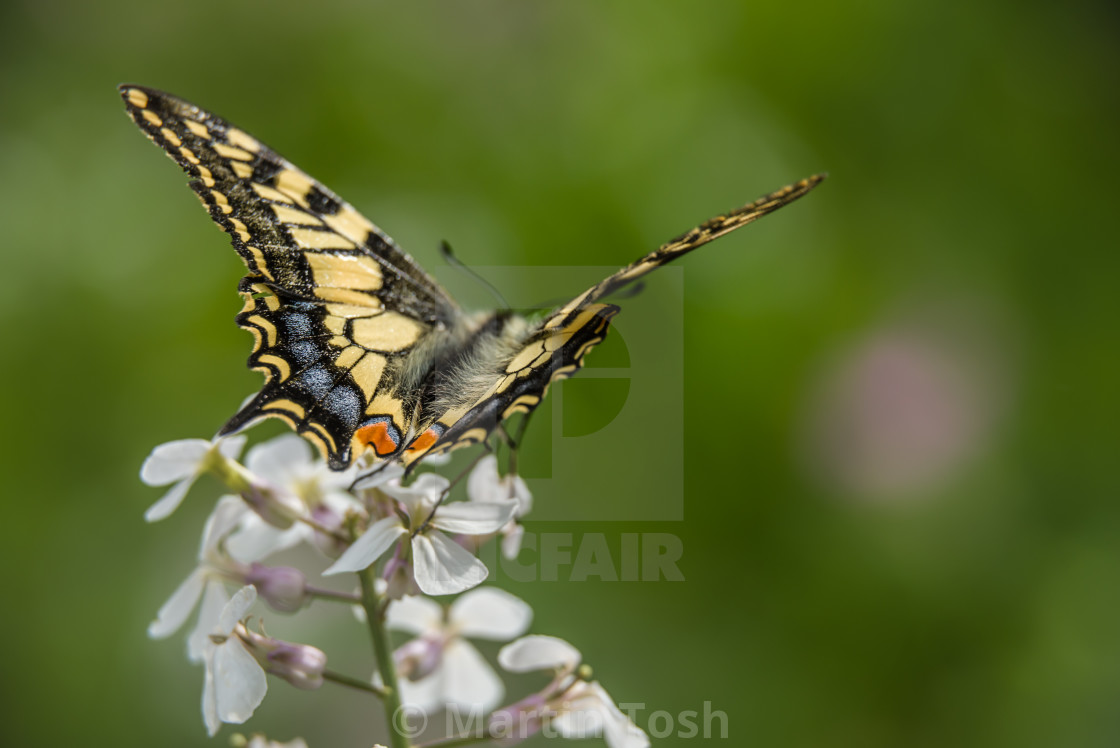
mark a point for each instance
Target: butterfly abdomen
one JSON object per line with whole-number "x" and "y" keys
{"x": 461, "y": 377}
{"x": 518, "y": 380}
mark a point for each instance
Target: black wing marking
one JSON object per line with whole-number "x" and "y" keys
{"x": 334, "y": 305}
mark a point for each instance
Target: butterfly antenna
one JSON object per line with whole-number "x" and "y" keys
{"x": 364, "y": 479}
{"x": 447, "y": 491}
{"x": 449, "y": 255}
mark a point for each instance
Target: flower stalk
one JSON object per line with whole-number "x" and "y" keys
{"x": 383, "y": 653}
{"x": 356, "y": 683}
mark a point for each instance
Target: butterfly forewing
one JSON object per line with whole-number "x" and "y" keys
{"x": 334, "y": 305}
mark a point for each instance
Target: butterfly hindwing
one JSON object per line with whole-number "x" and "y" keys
{"x": 554, "y": 351}
{"x": 556, "y": 348}
{"x": 334, "y": 305}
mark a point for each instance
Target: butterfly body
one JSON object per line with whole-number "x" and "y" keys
{"x": 361, "y": 349}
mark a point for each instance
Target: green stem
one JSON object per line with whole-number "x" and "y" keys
{"x": 382, "y": 651}
{"x": 333, "y": 595}
{"x": 323, "y": 530}
{"x": 355, "y": 683}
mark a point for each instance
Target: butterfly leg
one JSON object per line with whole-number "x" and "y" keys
{"x": 364, "y": 478}
{"x": 487, "y": 449}
{"x": 514, "y": 442}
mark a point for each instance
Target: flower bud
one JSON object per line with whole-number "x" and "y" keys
{"x": 419, "y": 657}
{"x": 518, "y": 721}
{"x": 300, "y": 664}
{"x": 284, "y": 588}
{"x": 399, "y": 578}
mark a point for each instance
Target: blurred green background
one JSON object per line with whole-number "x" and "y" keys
{"x": 899, "y": 442}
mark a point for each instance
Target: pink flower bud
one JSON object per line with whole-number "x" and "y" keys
{"x": 284, "y": 588}
{"x": 300, "y": 664}
{"x": 419, "y": 657}
{"x": 518, "y": 721}
{"x": 399, "y": 577}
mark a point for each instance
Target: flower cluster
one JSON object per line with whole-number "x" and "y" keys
{"x": 406, "y": 541}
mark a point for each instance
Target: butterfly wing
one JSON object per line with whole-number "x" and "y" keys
{"x": 334, "y": 305}
{"x": 555, "y": 350}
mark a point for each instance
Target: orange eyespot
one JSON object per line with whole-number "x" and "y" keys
{"x": 425, "y": 440}
{"x": 380, "y": 435}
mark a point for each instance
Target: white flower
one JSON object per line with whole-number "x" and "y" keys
{"x": 181, "y": 462}
{"x": 485, "y": 485}
{"x": 303, "y": 486}
{"x": 439, "y": 668}
{"x": 234, "y": 684}
{"x": 205, "y": 582}
{"x": 261, "y": 741}
{"x": 288, "y": 462}
{"x": 570, "y": 704}
{"x": 441, "y": 566}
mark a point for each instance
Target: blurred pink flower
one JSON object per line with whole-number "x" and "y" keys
{"x": 901, "y": 412}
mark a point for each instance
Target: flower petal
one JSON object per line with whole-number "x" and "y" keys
{"x": 214, "y": 600}
{"x": 491, "y": 613}
{"x": 228, "y": 512}
{"x": 255, "y": 540}
{"x": 468, "y": 681}
{"x": 417, "y": 615}
{"x": 536, "y": 652}
{"x": 174, "y": 613}
{"x": 511, "y": 540}
{"x": 474, "y": 518}
{"x": 169, "y": 502}
{"x": 260, "y": 741}
{"x": 230, "y": 446}
{"x": 420, "y": 495}
{"x": 579, "y": 719}
{"x": 369, "y": 547}
{"x": 442, "y": 566}
{"x": 522, "y": 496}
{"x": 236, "y": 609}
{"x": 280, "y": 460}
{"x": 484, "y": 483}
{"x": 239, "y": 682}
{"x": 379, "y": 476}
{"x": 173, "y": 461}
{"x": 618, "y": 730}
{"x": 424, "y": 694}
{"x": 209, "y": 697}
